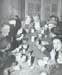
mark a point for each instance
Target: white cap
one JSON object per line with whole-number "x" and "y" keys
{"x": 12, "y": 22}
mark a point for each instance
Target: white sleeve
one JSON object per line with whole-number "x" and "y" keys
{"x": 52, "y": 54}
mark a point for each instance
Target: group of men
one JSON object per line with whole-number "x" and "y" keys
{"x": 30, "y": 45}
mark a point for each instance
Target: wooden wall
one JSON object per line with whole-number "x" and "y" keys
{"x": 45, "y": 8}
{"x": 28, "y": 7}
{"x": 32, "y": 7}
{"x": 11, "y": 8}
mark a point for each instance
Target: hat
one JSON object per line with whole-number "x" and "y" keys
{"x": 52, "y": 22}
{"x": 56, "y": 31}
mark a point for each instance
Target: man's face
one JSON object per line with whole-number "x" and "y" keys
{"x": 57, "y": 44}
{"x": 27, "y": 20}
{"x": 52, "y": 23}
{"x": 53, "y": 20}
{"x": 36, "y": 18}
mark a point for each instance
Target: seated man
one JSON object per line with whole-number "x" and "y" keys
{"x": 27, "y": 23}
{"x": 56, "y": 53}
{"x": 37, "y": 23}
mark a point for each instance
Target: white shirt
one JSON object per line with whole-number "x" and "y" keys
{"x": 59, "y": 60}
{"x": 52, "y": 54}
{"x": 37, "y": 26}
